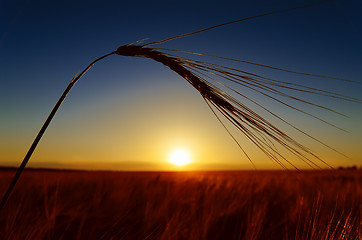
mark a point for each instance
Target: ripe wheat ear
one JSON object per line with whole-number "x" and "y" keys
{"x": 257, "y": 129}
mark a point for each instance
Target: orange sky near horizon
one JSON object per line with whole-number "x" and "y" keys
{"x": 140, "y": 131}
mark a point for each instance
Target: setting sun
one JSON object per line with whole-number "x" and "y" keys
{"x": 179, "y": 157}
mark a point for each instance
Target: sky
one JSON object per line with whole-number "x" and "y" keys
{"x": 130, "y": 113}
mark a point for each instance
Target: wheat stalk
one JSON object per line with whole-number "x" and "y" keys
{"x": 257, "y": 129}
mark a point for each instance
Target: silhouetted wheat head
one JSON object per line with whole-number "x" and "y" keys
{"x": 261, "y": 132}
{"x": 257, "y": 129}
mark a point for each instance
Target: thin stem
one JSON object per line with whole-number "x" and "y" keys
{"x": 42, "y": 130}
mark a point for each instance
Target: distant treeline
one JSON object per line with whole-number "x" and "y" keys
{"x": 349, "y": 168}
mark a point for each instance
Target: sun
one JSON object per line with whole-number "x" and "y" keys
{"x": 179, "y": 157}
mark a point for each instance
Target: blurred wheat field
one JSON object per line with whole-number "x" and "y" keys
{"x": 184, "y": 205}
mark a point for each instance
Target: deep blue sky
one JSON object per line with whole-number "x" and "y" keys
{"x": 44, "y": 43}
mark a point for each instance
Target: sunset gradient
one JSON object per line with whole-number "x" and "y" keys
{"x": 130, "y": 113}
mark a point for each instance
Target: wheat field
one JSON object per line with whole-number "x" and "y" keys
{"x": 184, "y": 205}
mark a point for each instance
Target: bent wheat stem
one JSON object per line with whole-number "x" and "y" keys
{"x": 43, "y": 128}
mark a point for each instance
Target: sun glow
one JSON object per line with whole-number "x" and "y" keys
{"x": 179, "y": 157}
